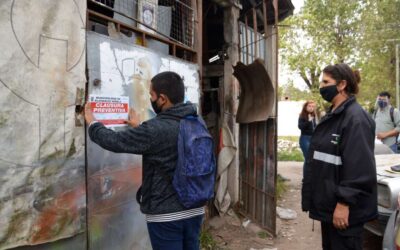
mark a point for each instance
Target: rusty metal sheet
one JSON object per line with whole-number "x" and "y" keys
{"x": 121, "y": 69}
{"x": 257, "y": 96}
{"x": 42, "y": 150}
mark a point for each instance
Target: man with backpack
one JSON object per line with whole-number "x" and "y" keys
{"x": 178, "y": 163}
{"x": 387, "y": 120}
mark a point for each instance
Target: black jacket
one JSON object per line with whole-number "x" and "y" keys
{"x": 341, "y": 166}
{"x": 156, "y": 140}
{"x": 306, "y": 127}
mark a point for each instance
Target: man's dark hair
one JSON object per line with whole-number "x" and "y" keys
{"x": 384, "y": 93}
{"x": 170, "y": 84}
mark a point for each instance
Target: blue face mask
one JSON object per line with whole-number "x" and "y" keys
{"x": 382, "y": 103}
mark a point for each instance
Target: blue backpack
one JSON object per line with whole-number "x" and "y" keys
{"x": 194, "y": 176}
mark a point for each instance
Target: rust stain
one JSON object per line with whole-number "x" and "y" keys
{"x": 109, "y": 188}
{"x": 57, "y": 215}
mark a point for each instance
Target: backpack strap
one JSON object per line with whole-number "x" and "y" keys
{"x": 392, "y": 115}
{"x": 164, "y": 174}
{"x": 394, "y": 124}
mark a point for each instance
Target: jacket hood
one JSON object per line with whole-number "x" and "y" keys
{"x": 180, "y": 110}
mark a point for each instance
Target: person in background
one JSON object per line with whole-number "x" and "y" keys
{"x": 307, "y": 123}
{"x": 387, "y": 120}
{"x": 340, "y": 186}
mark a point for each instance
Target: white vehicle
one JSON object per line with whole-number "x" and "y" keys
{"x": 388, "y": 188}
{"x": 391, "y": 239}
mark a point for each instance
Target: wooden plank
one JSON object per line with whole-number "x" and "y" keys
{"x": 255, "y": 31}
{"x": 247, "y": 39}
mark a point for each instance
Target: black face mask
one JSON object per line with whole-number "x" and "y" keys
{"x": 156, "y": 109}
{"x": 328, "y": 93}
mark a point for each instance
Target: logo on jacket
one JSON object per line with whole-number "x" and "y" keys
{"x": 336, "y": 139}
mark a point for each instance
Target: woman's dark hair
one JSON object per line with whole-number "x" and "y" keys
{"x": 342, "y": 71}
{"x": 170, "y": 84}
{"x": 304, "y": 113}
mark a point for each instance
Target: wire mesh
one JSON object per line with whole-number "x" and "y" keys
{"x": 169, "y": 18}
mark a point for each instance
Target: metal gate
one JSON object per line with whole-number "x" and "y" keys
{"x": 257, "y": 140}
{"x": 258, "y": 172}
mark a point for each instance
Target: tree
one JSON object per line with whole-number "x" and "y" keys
{"x": 324, "y": 32}
{"x": 293, "y": 93}
{"x": 379, "y": 32}
{"x": 357, "y": 32}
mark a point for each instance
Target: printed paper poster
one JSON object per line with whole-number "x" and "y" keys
{"x": 110, "y": 110}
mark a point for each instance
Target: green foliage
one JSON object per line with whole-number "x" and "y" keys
{"x": 293, "y": 93}
{"x": 289, "y": 153}
{"x": 358, "y": 32}
{"x": 322, "y": 33}
{"x": 206, "y": 241}
{"x": 295, "y": 155}
{"x": 264, "y": 235}
{"x": 281, "y": 187}
{"x": 380, "y": 34}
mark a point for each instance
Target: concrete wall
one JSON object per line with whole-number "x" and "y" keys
{"x": 287, "y": 120}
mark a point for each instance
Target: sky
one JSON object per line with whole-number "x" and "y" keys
{"x": 285, "y": 75}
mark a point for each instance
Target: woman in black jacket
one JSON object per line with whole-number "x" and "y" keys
{"x": 307, "y": 123}
{"x": 340, "y": 186}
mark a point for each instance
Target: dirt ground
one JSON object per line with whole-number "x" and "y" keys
{"x": 229, "y": 232}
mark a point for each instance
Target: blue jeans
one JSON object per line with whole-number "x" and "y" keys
{"x": 394, "y": 148}
{"x": 304, "y": 145}
{"x": 176, "y": 235}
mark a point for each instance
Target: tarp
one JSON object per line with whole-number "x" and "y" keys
{"x": 226, "y": 155}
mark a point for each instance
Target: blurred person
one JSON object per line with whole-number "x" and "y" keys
{"x": 307, "y": 123}
{"x": 387, "y": 120}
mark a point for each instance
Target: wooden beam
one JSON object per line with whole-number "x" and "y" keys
{"x": 255, "y": 30}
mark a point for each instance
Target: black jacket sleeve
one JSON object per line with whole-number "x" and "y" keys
{"x": 138, "y": 140}
{"x": 304, "y": 124}
{"x": 306, "y": 188}
{"x": 357, "y": 175}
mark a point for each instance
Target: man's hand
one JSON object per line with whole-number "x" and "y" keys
{"x": 134, "y": 119}
{"x": 381, "y": 135}
{"x": 341, "y": 216}
{"x": 89, "y": 117}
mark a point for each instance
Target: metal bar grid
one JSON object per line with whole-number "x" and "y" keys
{"x": 257, "y": 173}
{"x": 252, "y": 42}
{"x": 93, "y": 15}
{"x": 173, "y": 19}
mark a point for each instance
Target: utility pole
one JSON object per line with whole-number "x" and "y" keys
{"x": 397, "y": 76}
{"x": 397, "y": 71}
